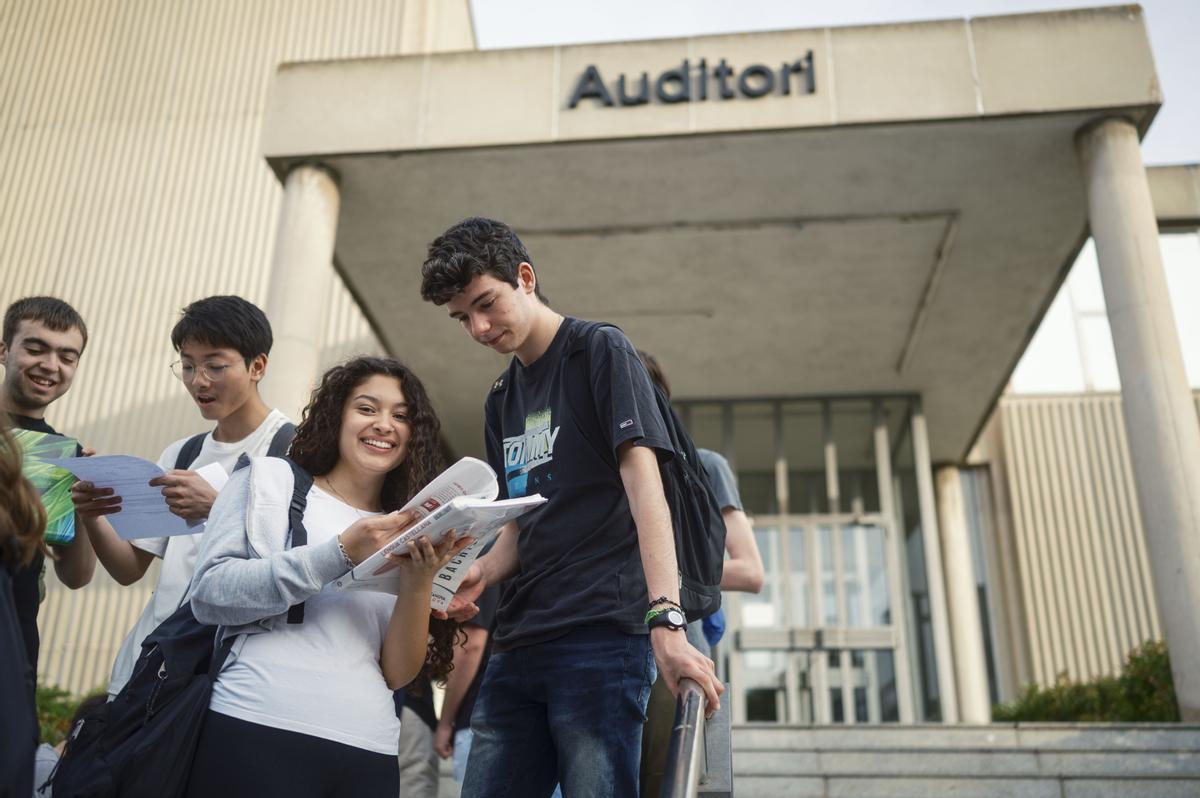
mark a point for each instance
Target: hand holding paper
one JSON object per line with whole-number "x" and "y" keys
{"x": 190, "y": 494}
{"x": 119, "y": 486}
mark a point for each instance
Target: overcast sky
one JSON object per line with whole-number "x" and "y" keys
{"x": 1174, "y": 33}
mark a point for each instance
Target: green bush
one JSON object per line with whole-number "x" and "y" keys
{"x": 55, "y": 708}
{"x": 1143, "y": 693}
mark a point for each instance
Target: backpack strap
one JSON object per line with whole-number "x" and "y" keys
{"x": 190, "y": 451}
{"x": 302, "y": 482}
{"x": 579, "y": 386}
{"x": 282, "y": 440}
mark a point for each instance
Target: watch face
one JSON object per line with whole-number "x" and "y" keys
{"x": 676, "y": 618}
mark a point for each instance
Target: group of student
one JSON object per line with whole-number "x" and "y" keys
{"x": 548, "y": 685}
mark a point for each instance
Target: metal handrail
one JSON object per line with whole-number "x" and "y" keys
{"x": 685, "y": 754}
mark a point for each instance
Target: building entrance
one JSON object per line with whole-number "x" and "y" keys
{"x": 827, "y": 641}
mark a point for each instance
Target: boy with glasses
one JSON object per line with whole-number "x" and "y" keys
{"x": 223, "y": 343}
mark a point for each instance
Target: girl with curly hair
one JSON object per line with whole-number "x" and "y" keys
{"x": 306, "y": 709}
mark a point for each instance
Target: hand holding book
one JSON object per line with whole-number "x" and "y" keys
{"x": 368, "y": 535}
{"x": 460, "y": 502}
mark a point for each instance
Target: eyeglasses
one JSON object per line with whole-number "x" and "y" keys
{"x": 187, "y": 371}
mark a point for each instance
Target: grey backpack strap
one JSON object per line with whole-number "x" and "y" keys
{"x": 190, "y": 451}
{"x": 282, "y": 440}
{"x": 280, "y": 443}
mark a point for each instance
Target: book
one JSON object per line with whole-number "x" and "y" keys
{"x": 462, "y": 500}
{"x": 53, "y": 483}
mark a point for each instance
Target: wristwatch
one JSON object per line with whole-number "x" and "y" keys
{"x": 671, "y": 617}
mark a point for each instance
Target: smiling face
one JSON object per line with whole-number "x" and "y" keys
{"x": 218, "y": 378}
{"x": 375, "y": 427}
{"x": 39, "y": 366}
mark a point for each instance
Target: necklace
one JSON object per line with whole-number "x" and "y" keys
{"x": 329, "y": 482}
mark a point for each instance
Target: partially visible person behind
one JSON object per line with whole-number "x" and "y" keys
{"x": 48, "y": 755}
{"x": 22, "y": 523}
{"x": 223, "y": 344}
{"x": 418, "y": 720}
{"x": 742, "y": 571}
{"x": 453, "y": 736}
{"x": 42, "y": 343}
{"x": 306, "y": 709}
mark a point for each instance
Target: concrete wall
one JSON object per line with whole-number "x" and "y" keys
{"x": 1086, "y": 591}
{"x": 133, "y": 184}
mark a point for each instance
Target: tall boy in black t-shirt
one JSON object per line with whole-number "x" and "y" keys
{"x": 43, "y": 340}
{"x": 565, "y": 692}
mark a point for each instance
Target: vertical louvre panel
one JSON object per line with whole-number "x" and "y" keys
{"x": 130, "y": 184}
{"x": 1085, "y": 575}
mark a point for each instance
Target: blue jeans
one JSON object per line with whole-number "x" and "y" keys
{"x": 567, "y": 711}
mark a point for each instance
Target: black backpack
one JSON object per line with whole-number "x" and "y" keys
{"x": 695, "y": 514}
{"x": 142, "y": 742}
{"x": 278, "y": 447}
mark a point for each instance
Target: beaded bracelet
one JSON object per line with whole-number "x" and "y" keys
{"x": 345, "y": 556}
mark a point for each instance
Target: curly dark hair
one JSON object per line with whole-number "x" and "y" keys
{"x": 470, "y": 248}
{"x": 22, "y": 517}
{"x": 315, "y": 449}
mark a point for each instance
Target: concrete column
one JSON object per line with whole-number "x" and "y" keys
{"x": 931, "y": 542}
{"x": 966, "y": 626}
{"x": 301, "y": 282}
{"x": 1160, "y": 419}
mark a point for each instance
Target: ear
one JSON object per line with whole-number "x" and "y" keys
{"x": 526, "y": 277}
{"x": 257, "y": 368}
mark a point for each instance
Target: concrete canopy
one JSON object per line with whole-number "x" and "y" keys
{"x": 901, "y": 229}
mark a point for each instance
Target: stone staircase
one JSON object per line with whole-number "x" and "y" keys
{"x": 1022, "y": 761}
{"x": 933, "y": 761}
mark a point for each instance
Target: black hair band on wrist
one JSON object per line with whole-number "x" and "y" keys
{"x": 664, "y": 600}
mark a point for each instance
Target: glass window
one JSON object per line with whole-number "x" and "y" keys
{"x": 764, "y": 685}
{"x": 765, "y": 609}
{"x": 798, "y": 584}
{"x": 829, "y": 608}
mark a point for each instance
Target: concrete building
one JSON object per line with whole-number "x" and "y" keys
{"x": 839, "y": 242}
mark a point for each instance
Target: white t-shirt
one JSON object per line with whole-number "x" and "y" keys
{"x": 178, "y": 553}
{"x": 321, "y": 677}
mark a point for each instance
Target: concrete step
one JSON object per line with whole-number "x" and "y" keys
{"x": 1002, "y": 764}
{"x": 1094, "y": 737}
{"x": 935, "y": 761}
{"x": 1021, "y": 761}
{"x": 790, "y": 787}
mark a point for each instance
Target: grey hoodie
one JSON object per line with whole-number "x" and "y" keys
{"x": 247, "y": 574}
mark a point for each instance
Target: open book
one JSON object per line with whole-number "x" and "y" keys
{"x": 462, "y": 499}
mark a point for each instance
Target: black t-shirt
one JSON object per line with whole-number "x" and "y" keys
{"x": 26, "y": 585}
{"x": 579, "y": 559}
{"x": 484, "y": 619}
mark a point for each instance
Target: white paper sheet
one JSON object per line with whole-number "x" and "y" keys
{"x": 144, "y": 512}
